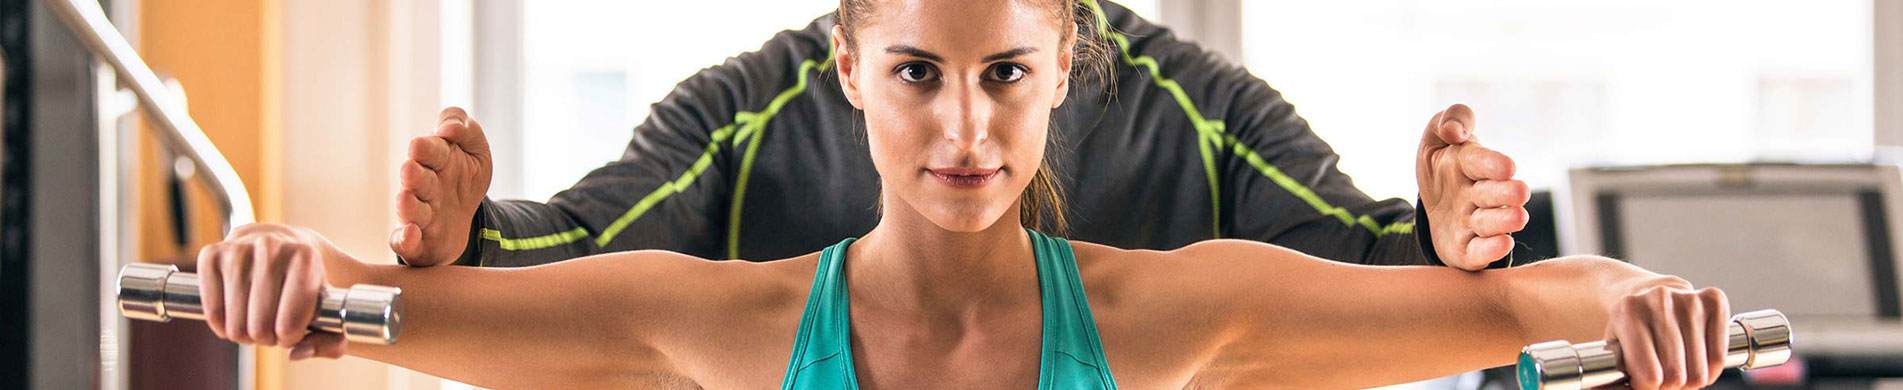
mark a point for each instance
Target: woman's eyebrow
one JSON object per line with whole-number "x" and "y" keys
{"x": 1010, "y": 53}
{"x": 921, "y": 53}
{"x": 915, "y": 52}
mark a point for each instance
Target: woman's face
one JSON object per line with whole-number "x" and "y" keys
{"x": 957, "y": 98}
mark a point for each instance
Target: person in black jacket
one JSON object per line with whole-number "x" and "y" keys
{"x": 1177, "y": 146}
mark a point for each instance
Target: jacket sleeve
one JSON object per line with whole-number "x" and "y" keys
{"x": 1272, "y": 178}
{"x": 1286, "y": 189}
{"x": 670, "y": 187}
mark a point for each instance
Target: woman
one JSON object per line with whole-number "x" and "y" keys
{"x": 951, "y": 290}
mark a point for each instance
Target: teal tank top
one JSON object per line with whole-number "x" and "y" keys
{"x": 1072, "y": 356}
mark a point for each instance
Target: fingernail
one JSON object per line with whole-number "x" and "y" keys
{"x": 302, "y": 352}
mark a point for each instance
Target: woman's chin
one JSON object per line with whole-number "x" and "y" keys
{"x": 966, "y": 220}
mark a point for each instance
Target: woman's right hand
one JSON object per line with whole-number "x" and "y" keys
{"x": 261, "y": 286}
{"x": 1671, "y": 337}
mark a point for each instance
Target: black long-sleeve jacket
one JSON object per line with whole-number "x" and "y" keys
{"x": 760, "y": 158}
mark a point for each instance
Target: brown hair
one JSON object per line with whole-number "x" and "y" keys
{"x": 1041, "y": 206}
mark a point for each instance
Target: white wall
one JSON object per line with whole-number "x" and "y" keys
{"x": 361, "y": 77}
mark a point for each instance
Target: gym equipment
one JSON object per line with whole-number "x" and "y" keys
{"x": 362, "y": 313}
{"x": 1753, "y": 340}
{"x": 167, "y": 115}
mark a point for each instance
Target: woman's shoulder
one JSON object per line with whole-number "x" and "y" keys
{"x": 774, "y": 283}
{"x": 1155, "y": 313}
{"x": 719, "y": 286}
{"x": 1216, "y": 250}
{"x": 797, "y": 270}
{"x": 1188, "y": 272}
{"x": 1111, "y": 274}
{"x": 1094, "y": 258}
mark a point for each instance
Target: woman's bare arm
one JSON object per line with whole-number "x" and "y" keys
{"x": 1279, "y": 318}
{"x": 595, "y": 322}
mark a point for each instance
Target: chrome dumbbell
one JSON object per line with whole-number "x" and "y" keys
{"x": 1753, "y": 340}
{"x": 362, "y": 313}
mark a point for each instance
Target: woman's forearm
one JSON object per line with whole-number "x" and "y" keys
{"x": 1572, "y": 298}
{"x": 504, "y": 328}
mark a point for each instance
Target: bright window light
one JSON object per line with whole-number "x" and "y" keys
{"x": 1563, "y": 83}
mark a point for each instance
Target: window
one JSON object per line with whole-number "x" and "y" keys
{"x": 591, "y": 68}
{"x": 1557, "y": 84}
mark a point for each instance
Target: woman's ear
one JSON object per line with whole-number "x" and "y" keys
{"x": 1065, "y": 54}
{"x": 843, "y": 63}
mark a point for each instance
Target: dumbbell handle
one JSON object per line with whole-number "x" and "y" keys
{"x": 1753, "y": 340}
{"x": 362, "y": 313}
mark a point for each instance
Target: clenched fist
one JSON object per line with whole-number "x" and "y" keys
{"x": 443, "y": 182}
{"x": 1471, "y": 199}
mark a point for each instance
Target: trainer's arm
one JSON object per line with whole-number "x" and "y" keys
{"x": 1287, "y": 189}
{"x": 660, "y": 180}
{"x": 1276, "y": 180}
{"x": 671, "y": 187}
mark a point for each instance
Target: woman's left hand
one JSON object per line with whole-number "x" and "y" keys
{"x": 1670, "y": 337}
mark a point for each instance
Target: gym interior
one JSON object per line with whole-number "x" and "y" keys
{"x": 1750, "y": 145}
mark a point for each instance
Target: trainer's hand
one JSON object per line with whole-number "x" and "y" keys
{"x": 1472, "y": 200}
{"x": 444, "y": 180}
{"x": 261, "y": 286}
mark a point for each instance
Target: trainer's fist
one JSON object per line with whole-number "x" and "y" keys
{"x": 1472, "y": 200}
{"x": 443, "y": 181}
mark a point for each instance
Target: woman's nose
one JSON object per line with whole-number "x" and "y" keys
{"x": 967, "y": 118}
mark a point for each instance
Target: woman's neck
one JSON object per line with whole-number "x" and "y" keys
{"x": 915, "y": 265}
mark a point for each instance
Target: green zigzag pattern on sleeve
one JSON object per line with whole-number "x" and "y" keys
{"x": 1214, "y": 138}
{"x": 752, "y": 133}
{"x": 748, "y": 125}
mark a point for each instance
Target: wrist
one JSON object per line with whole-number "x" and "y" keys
{"x": 472, "y": 244}
{"x": 340, "y": 267}
{"x": 1569, "y": 298}
{"x": 1424, "y": 235}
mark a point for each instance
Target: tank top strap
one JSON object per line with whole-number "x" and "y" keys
{"x": 822, "y": 351}
{"x": 1072, "y": 352}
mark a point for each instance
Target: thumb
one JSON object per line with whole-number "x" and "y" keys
{"x": 407, "y": 241}
{"x": 323, "y": 345}
{"x": 1454, "y": 125}
{"x": 458, "y": 128}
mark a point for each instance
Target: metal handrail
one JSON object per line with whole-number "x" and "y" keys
{"x": 88, "y": 22}
{"x": 175, "y": 126}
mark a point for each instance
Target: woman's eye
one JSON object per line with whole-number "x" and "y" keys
{"x": 1005, "y": 73}
{"x": 917, "y": 72}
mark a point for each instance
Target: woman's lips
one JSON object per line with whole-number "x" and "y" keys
{"x": 965, "y": 177}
